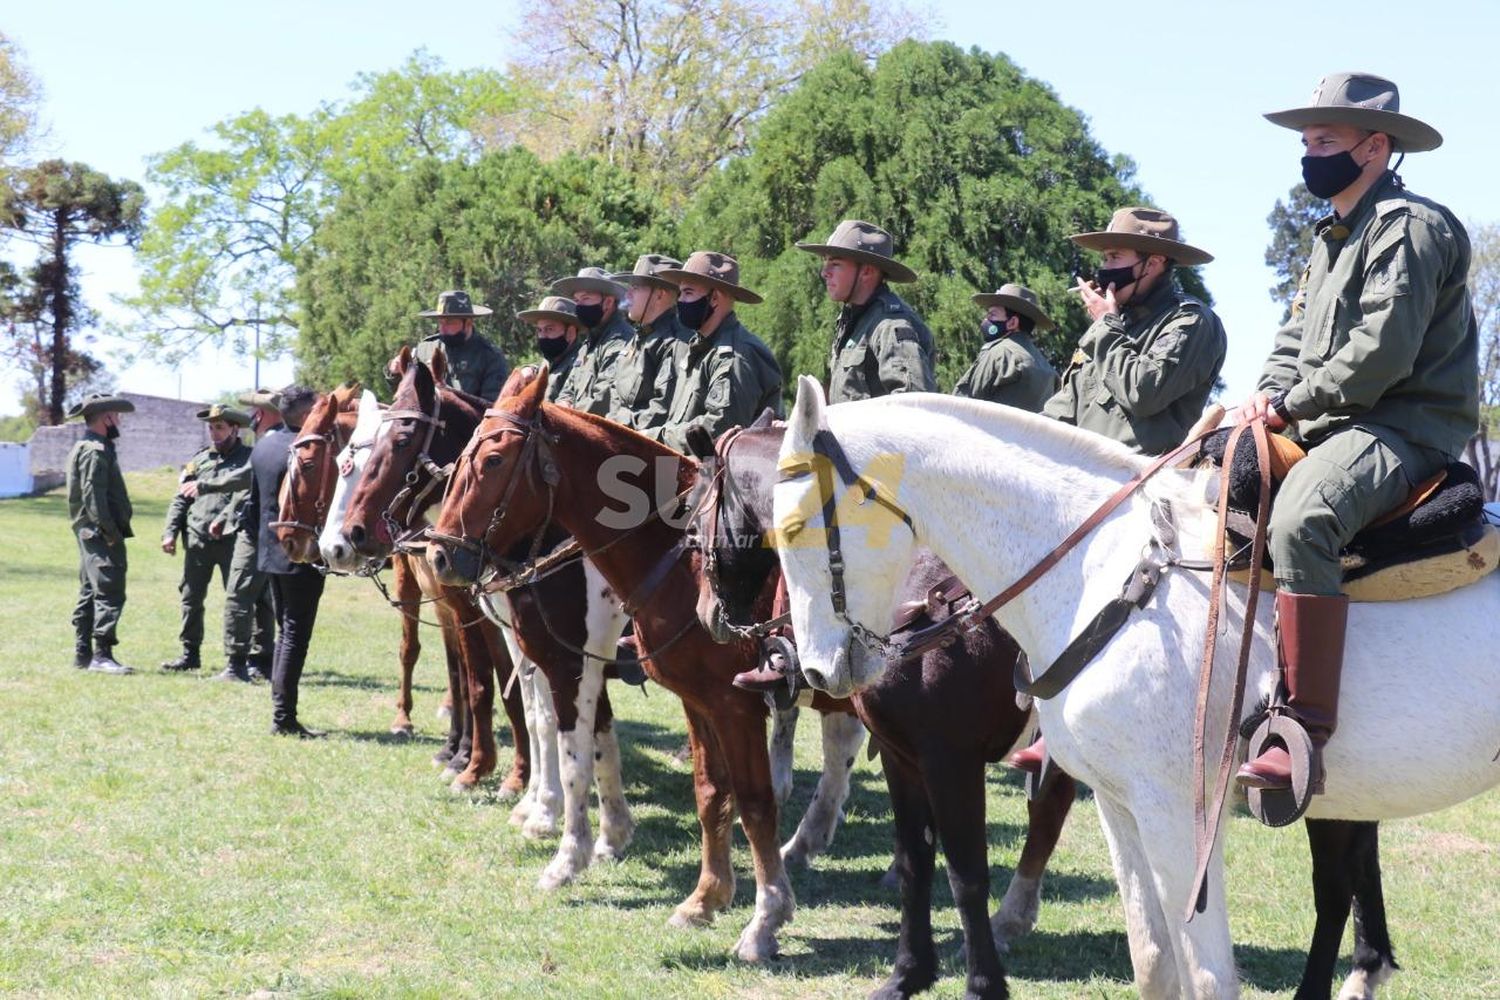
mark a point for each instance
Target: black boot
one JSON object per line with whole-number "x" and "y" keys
{"x": 83, "y": 652}
{"x": 235, "y": 670}
{"x": 105, "y": 663}
{"x": 187, "y": 661}
{"x": 297, "y": 729}
{"x": 260, "y": 668}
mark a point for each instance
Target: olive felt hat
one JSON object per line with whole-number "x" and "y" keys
{"x": 457, "y": 305}
{"x": 1016, "y": 299}
{"x": 1147, "y": 230}
{"x": 864, "y": 243}
{"x": 589, "y": 279}
{"x": 556, "y": 307}
{"x": 716, "y": 270}
{"x": 228, "y": 414}
{"x": 268, "y": 398}
{"x": 1365, "y": 101}
{"x": 648, "y": 268}
{"x": 99, "y": 402}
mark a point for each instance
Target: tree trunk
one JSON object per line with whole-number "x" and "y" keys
{"x": 61, "y": 315}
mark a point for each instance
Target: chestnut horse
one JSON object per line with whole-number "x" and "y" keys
{"x": 306, "y": 493}
{"x": 938, "y": 720}
{"x": 532, "y": 464}
{"x": 429, "y": 425}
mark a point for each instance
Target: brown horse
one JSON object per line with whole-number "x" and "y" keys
{"x": 532, "y": 464}
{"x": 403, "y": 478}
{"x": 306, "y": 493}
{"x": 938, "y": 720}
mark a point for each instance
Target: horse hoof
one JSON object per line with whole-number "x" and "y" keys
{"x": 539, "y": 826}
{"x": 607, "y": 852}
{"x": 794, "y": 857}
{"x": 449, "y": 773}
{"x": 406, "y": 730}
{"x": 554, "y": 877}
{"x": 891, "y": 880}
{"x": 442, "y": 757}
{"x": 464, "y": 784}
{"x": 689, "y": 916}
{"x": 444, "y": 712}
{"x": 749, "y": 948}
{"x": 511, "y": 788}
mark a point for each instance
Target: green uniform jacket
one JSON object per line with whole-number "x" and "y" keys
{"x": 233, "y": 481}
{"x": 1010, "y": 370}
{"x": 191, "y": 516}
{"x": 646, "y": 373}
{"x": 723, "y": 380}
{"x": 1144, "y": 377}
{"x": 591, "y": 381}
{"x": 1382, "y": 329}
{"x": 557, "y": 374}
{"x": 476, "y": 366}
{"x": 97, "y": 500}
{"x": 880, "y": 348}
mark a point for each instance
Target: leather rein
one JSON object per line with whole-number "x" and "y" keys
{"x": 330, "y": 441}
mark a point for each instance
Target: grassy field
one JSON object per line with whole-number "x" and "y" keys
{"x": 156, "y": 841}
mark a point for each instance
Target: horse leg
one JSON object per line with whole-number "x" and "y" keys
{"x": 1146, "y": 927}
{"x": 455, "y": 753}
{"x": 520, "y": 769}
{"x": 616, "y": 827}
{"x": 521, "y": 811}
{"x": 1329, "y": 842}
{"x": 546, "y": 781}
{"x": 1023, "y": 898}
{"x": 783, "y": 740}
{"x": 955, "y": 787}
{"x": 479, "y": 671}
{"x": 916, "y": 966}
{"x": 409, "y": 594}
{"x": 1374, "y": 958}
{"x": 577, "y": 701}
{"x": 843, "y": 735}
{"x": 743, "y": 738}
{"x": 711, "y": 787}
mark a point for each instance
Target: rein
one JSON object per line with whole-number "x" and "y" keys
{"x": 401, "y": 531}
{"x": 329, "y": 439}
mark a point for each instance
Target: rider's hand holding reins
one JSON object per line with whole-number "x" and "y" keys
{"x": 1258, "y": 407}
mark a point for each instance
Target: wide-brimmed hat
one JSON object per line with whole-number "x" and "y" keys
{"x": 1365, "y": 101}
{"x": 717, "y": 270}
{"x": 99, "y": 402}
{"x": 1016, "y": 299}
{"x": 228, "y": 414}
{"x": 267, "y": 398}
{"x": 1148, "y": 230}
{"x": 456, "y": 305}
{"x": 552, "y": 307}
{"x": 589, "y": 279}
{"x": 647, "y": 271}
{"x": 865, "y": 243}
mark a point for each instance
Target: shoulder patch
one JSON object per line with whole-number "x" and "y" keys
{"x": 907, "y": 333}
{"x": 1391, "y": 206}
{"x": 724, "y": 349}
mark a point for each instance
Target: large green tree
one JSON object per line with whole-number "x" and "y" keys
{"x": 978, "y": 171}
{"x": 56, "y": 205}
{"x": 20, "y": 99}
{"x": 1291, "y": 223}
{"x": 502, "y": 228}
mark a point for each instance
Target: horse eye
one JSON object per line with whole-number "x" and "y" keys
{"x": 493, "y": 460}
{"x": 793, "y": 528}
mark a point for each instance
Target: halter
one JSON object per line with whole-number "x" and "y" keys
{"x": 401, "y": 531}
{"x": 320, "y": 503}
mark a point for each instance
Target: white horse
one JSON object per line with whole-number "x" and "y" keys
{"x": 992, "y": 490}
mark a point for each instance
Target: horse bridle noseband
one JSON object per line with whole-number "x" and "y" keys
{"x": 320, "y": 503}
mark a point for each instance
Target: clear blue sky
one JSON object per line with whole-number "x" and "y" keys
{"x": 1180, "y": 86}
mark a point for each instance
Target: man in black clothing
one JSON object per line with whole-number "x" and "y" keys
{"x": 296, "y": 588}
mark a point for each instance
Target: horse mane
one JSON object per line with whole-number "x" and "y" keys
{"x": 601, "y": 429}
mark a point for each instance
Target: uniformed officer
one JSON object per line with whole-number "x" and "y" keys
{"x": 100, "y": 511}
{"x": 555, "y": 323}
{"x": 1377, "y": 372}
{"x": 880, "y": 344}
{"x": 646, "y": 371}
{"x": 475, "y": 365}
{"x": 1144, "y": 369}
{"x": 202, "y": 520}
{"x": 725, "y": 376}
{"x": 1010, "y": 368}
{"x": 590, "y": 382}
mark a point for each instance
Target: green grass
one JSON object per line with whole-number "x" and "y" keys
{"x": 155, "y": 841}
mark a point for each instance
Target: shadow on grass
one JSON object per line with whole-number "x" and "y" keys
{"x": 364, "y": 682}
{"x": 848, "y": 956}
{"x": 1083, "y": 955}
{"x": 386, "y": 737}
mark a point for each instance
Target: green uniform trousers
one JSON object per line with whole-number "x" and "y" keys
{"x": 101, "y": 589}
{"x": 199, "y": 560}
{"x": 1348, "y": 479}
{"x": 249, "y": 621}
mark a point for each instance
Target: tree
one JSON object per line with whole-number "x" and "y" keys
{"x": 219, "y": 257}
{"x": 667, "y": 89}
{"x": 979, "y": 172}
{"x": 20, "y": 96}
{"x": 1291, "y": 223}
{"x": 1484, "y": 290}
{"x": 502, "y": 227}
{"x": 57, "y": 205}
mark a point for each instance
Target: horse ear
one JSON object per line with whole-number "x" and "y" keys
{"x": 516, "y": 381}
{"x": 807, "y": 416}
{"x": 533, "y": 393}
{"x": 700, "y": 443}
{"x": 401, "y": 362}
{"x": 767, "y": 416}
{"x": 439, "y": 364}
{"x": 369, "y": 416}
{"x": 426, "y": 378}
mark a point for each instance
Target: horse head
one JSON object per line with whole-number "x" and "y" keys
{"x": 837, "y": 546}
{"x": 336, "y": 550}
{"x": 311, "y": 471}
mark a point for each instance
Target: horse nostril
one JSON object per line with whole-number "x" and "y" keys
{"x": 357, "y": 534}
{"x": 440, "y": 561}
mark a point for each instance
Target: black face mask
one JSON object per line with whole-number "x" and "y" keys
{"x": 452, "y": 340}
{"x": 992, "y": 329}
{"x": 591, "y": 316}
{"x": 112, "y": 432}
{"x": 1326, "y": 176}
{"x": 692, "y": 314}
{"x": 1120, "y": 277}
{"x": 552, "y": 348}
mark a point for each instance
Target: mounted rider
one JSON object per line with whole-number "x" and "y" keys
{"x": 202, "y": 520}
{"x": 1010, "y": 368}
{"x": 475, "y": 365}
{"x": 100, "y": 511}
{"x": 646, "y": 372}
{"x": 555, "y": 323}
{"x": 1376, "y": 373}
{"x": 590, "y": 382}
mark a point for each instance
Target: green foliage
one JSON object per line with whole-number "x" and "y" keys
{"x": 1291, "y": 223}
{"x": 978, "y": 171}
{"x": 20, "y": 95}
{"x": 502, "y": 228}
{"x": 17, "y": 427}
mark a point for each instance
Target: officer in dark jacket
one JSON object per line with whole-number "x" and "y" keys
{"x": 100, "y": 511}
{"x": 296, "y": 588}
{"x": 475, "y": 365}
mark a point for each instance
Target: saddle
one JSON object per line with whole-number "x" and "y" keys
{"x": 1435, "y": 541}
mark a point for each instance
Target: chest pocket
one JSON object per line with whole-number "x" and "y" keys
{"x": 857, "y": 362}
{"x": 630, "y": 374}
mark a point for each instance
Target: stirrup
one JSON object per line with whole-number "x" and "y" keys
{"x": 1282, "y": 806}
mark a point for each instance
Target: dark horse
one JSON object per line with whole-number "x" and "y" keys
{"x": 938, "y": 721}
{"x": 430, "y": 424}
{"x": 532, "y": 464}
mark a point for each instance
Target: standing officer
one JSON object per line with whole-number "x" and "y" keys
{"x": 880, "y": 344}
{"x": 201, "y": 519}
{"x": 646, "y": 371}
{"x": 726, "y": 376}
{"x": 475, "y": 365}
{"x": 590, "y": 382}
{"x": 100, "y": 511}
{"x": 296, "y": 588}
{"x": 1144, "y": 370}
{"x": 1377, "y": 372}
{"x": 1010, "y": 369}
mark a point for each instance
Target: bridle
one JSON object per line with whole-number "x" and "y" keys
{"x": 401, "y": 531}
{"x": 329, "y": 440}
